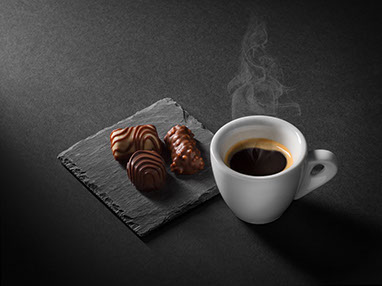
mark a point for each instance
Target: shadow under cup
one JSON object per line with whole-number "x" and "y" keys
{"x": 258, "y": 199}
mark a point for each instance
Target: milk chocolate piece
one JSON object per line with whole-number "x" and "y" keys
{"x": 146, "y": 170}
{"x": 185, "y": 155}
{"x": 124, "y": 142}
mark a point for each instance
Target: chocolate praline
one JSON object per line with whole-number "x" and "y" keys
{"x": 186, "y": 157}
{"x": 124, "y": 142}
{"x": 146, "y": 170}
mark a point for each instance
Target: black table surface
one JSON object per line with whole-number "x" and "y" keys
{"x": 71, "y": 68}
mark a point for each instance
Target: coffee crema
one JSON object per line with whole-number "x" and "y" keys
{"x": 258, "y": 157}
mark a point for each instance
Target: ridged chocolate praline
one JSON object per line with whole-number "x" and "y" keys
{"x": 146, "y": 170}
{"x": 124, "y": 142}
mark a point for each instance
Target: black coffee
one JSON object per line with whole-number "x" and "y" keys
{"x": 258, "y": 162}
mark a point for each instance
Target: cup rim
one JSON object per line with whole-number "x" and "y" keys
{"x": 227, "y": 126}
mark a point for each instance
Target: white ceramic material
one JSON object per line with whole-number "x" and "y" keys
{"x": 263, "y": 199}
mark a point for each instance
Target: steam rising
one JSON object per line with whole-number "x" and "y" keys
{"x": 256, "y": 89}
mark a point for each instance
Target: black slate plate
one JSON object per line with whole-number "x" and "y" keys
{"x": 92, "y": 162}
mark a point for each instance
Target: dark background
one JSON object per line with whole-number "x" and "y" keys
{"x": 71, "y": 68}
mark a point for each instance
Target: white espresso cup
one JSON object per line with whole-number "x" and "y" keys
{"x": 263, "y": 199}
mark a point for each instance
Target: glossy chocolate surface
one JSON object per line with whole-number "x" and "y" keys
{"x": 186, "y": 158}
{"x": 146, "y": 170}
{"x": 124, "y": 142}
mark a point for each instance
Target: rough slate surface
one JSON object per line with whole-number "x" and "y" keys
{"x": 92, "y": 162}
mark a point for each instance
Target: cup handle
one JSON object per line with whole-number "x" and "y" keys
{"x": 311, "y": 181}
